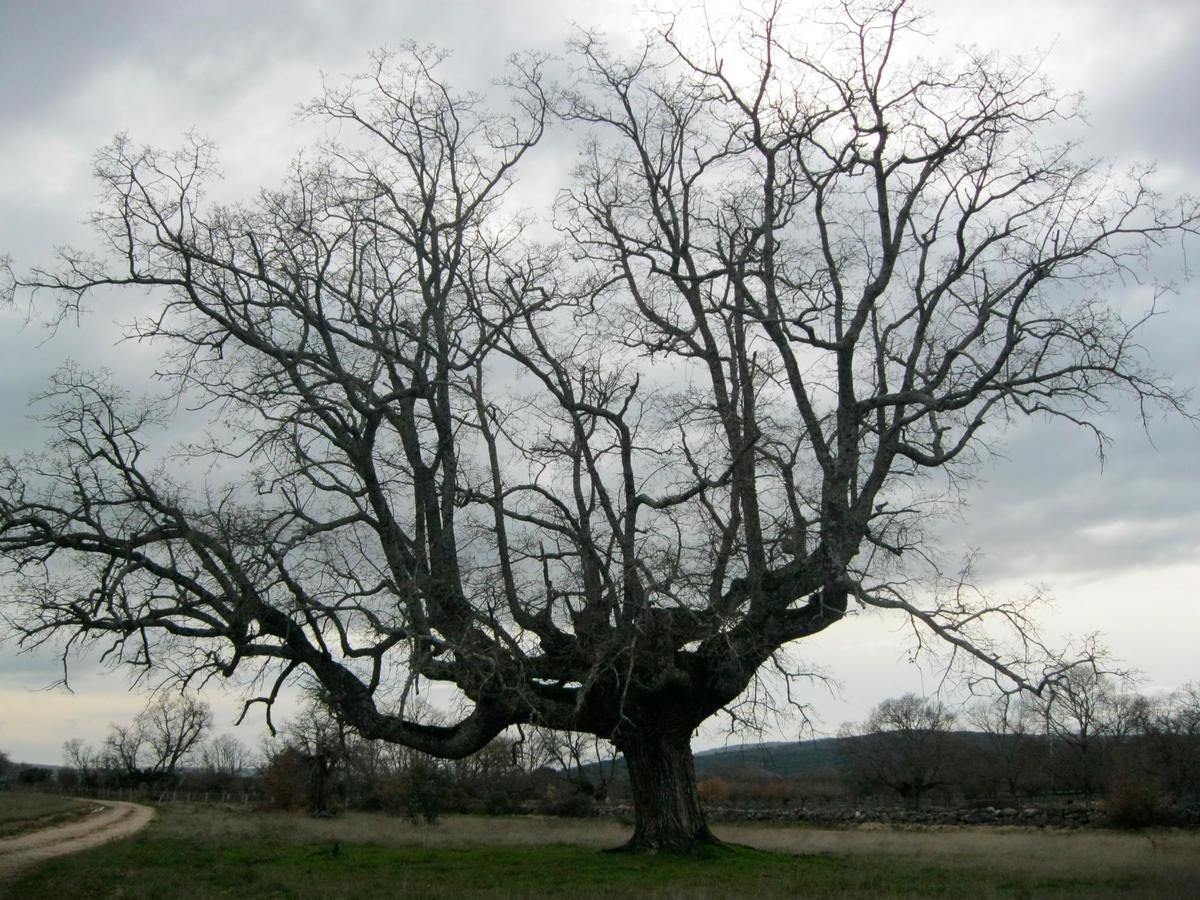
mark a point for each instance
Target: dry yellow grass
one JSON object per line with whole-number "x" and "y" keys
{"x": 373, "y": 828}
{"x": 1170, "y": 859}
{"x": 20, "y": 806}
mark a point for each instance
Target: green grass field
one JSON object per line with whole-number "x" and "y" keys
{"x": 207, "y": 852}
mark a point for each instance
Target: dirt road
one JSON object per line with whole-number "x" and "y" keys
{"x": 112, "y": 819}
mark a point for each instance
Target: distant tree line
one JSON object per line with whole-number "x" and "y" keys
{"x": 168, "y": 745}
{"x": 1089, "y": 738}
{"x": 317, "y": 763}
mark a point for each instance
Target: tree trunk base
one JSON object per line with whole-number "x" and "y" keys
{"x": 666, "y": 806}
{"x": 698, "y": 845}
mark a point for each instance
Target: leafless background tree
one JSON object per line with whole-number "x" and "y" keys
{"x": 1014, "y": 753}
{"x": 907, "y": 745}
{"x": 148, "y": 750}
{"x": 225, "y": 758}
{"x": 83, "y": 759}
{"x": 597, "y": 486}
{"x": 1170, "y": 733}
{"x": 1086, "y": 714}
{"x": 172, "y": 728}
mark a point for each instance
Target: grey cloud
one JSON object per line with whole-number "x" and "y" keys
{"x": 40, "y": 669}
{"x": 1148, "y": 112}
{"x": 1045, "y": 510}
{"x": 75, "y": 37}
{"x": 1049, "y": 508}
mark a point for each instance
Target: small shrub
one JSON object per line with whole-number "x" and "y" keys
{"x": 33, "y": 776}
{"x": 1134, "y": 803}
{"x": 422, "y": 791}
{"x": 574, "y": 806}
{"x": 713, "y": 791}
{"x": 285, "y": 780}
{"x": 499, "y": 803}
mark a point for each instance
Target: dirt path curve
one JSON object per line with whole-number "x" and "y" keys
{"x": 113, "y": 819}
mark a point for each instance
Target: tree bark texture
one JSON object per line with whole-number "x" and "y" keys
{"x": 666, "y": 804}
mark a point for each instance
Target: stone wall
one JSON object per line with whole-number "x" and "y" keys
{"x": 1057, "y": 814}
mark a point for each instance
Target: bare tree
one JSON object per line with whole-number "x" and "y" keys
{"x": 172, "y": 727}
{"x": 317, "y": 737}
{"x": 907, "y": 745}
{"x": 1015, "y": 754}
{"x": 588, "y": 762}
{"x": 83, "y": 758}
{"x": 151, "y": 747}
{"x": 1085, "y": 712}
{"x": 225, "y": 757}
{"x": 123, "y": 753}
{"x": 600, "y": 486}
{"x": 1170, "y": 736}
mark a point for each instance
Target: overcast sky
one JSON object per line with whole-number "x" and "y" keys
{"x": 1117, "y": 546}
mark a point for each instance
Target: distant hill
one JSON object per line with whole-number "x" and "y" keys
{"x": 780, "y": 758}
{"x": 787, "y": 759}
{"x": 790, "y": 758}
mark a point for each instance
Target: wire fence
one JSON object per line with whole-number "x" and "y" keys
{"x": 147, "y": 794}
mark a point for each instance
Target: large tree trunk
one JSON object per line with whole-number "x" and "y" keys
{"x": 318, "y": 782}
{"x": 666, "y": 806}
